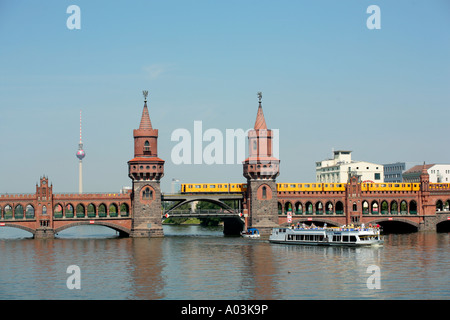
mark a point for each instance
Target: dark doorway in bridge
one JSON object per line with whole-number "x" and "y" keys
{"x": 443, "y": 226}
{"x": 232, "y": 227}
{"x": 397, "y": 227}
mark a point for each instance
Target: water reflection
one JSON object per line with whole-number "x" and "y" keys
{"x": 197, "y": 263}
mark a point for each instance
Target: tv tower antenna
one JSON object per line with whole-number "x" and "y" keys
{"x": 80, "y": 155}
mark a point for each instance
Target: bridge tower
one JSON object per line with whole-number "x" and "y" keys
{"x": 426, "y": 205}
{"x": 44, "y": 210}
{"x": 261, "y": 170}
{"x": 146, "y": 170}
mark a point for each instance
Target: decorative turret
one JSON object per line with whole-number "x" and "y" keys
{"x": 260, "y": 163}
{"x": 145, "y": 165}
{"x": 424, "y": 179}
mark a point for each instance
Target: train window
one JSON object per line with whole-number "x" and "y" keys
{"x": 292, "y": 185}
{"x": 396, "y": 185}
{"x": 313, "y": 185}
{"x": 212, "y": 186}
{"x": 326, "y": 185}
{"x": 299, "y": 185}
{"x": 219, "y": 186}
{"x": 197, "y": 186}
{"x": 306, "y": 185}
{"x": 205, "y": 186}
{"x": 338, "y": 185}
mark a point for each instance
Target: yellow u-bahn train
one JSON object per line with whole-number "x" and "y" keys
{"x": 390, "y": 186}
{"x": 213, "y": 187}
{"x": 297, "y": 187}
{"x": 306, "y": 187}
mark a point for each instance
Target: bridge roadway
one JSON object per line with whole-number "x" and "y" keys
{"x": 217, "y": 198}
{"x": 201, "y": 213}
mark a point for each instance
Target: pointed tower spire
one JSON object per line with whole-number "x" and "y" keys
{"x": 145, "y": 119}
{"x": 260, "y": 122}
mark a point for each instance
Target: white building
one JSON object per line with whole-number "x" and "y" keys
{"x": 438, "y": 173}
{"x": 337, "y": 170}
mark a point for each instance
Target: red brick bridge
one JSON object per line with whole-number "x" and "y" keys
{"x": 425, "y": 209}
{"x": 138, "y": 213}
{"x": 44, "y": 214}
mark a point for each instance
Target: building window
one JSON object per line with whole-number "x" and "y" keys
{"x": 147, "y": 194}
{"x": 264, "y": 192}
{"x": 147, "y": 147}
{"x": 377, "y": 176}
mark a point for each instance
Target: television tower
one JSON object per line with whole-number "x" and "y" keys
{"x": 80, "y": 155}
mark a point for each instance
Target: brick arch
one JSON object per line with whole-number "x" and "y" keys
{"x": 97, "y": 222}
{"x": 16, "y": 207}
{"x": 297, "y": 205}
{"x": 439, "y": 204}
{"x": 4, "y": 210}
{"x": 319, "y": 207}
{"x": 115, "y": 206}
{"x": 19, "y": 226}
{"x": 378, "y": 220}
{"x": 442, "y": 217}
{"x": 127, "y": 206}
{"x": 104, "y": 211}
{"x": 288, "y": 205}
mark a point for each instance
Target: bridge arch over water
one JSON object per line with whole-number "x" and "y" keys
{"x": 397, "y": 225}
{"x": 123, "y": 231}
{"x": 22, "y": 227}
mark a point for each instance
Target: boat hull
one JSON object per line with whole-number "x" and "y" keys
{"x": 327, "y": 237}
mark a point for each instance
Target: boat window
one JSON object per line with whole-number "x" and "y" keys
{"x": 352, "y": 238}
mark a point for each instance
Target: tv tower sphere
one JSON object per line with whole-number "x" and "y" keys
{"x": 81, "y": 154}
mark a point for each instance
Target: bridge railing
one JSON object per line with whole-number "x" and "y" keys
{"x": 202, "y": 212}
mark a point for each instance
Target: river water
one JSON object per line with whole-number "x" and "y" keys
{"x": 198, "y": 263}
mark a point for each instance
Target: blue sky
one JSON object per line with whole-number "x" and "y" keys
{"x": 327, "y": 82}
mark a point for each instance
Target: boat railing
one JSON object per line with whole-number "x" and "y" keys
{"x": 339, "y": 228}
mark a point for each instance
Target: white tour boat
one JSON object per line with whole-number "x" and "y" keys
{"x": 327, "y": 236}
